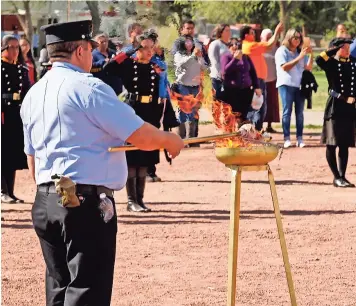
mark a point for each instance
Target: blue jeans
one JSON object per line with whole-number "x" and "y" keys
{"x": 289, "y": 95}
{"x": 258, "y": 116}
{"x": 187, "y": 121}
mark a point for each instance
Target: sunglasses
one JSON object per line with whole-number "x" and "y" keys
{"x": 13, "y": 47}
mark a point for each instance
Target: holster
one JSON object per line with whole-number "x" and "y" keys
{"x": 65, "y": 187}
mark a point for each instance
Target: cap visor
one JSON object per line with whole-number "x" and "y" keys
{"x": 94, "y": 44}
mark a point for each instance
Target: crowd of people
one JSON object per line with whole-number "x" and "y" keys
{"x": 241, "y": 69}
{"x": 61, "y": 126}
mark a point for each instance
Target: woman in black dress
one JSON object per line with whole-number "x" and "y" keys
{"x": 14, "y": 86}
{"x": 141, "y": 79}
{"x": 340, "y": 111}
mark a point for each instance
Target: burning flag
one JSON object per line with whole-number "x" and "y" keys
{"x": 228, "y": 121}
{"x": 187, "y": 104}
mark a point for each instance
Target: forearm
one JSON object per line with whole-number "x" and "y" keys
{"x": 309, "y": 65}
{"x": 272, "y": 41}
{"x": 31, "y": 166}
{"x": 288, "y": 66}
{"x": 113, "y": 66}
{"x": 149, "y": 138}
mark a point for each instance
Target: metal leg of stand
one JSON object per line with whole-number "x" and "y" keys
{"x": 281, "y": 238}
{"x": 234, "y": 234}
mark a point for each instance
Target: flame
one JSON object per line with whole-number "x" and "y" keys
{"x": 233, "y": 142}
{"x": 228, "y": 121}
{"x": 188, "y": 104}
{"x": 224, "y": 118}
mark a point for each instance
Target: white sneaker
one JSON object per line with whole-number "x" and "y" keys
{"x": 287, "y": 144}
{"x": 301, "y": 144}
{"x": 7, "y": 199}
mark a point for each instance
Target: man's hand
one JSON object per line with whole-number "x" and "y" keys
{"x": 279, "y": 28}
{"x": 174, "y": 145}
{"x": 149, "y": 138}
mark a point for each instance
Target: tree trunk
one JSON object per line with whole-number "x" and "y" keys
{"x": 28, "y": 20}
{"x": 25, "y": 20}
{"x": 304, "y": 31}
{"x": 283, "y": 15}
{"x": 285, "y": 8}
{"x": 94, "y": 11}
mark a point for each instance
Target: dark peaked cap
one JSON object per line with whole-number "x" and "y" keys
{"x": 68, "y": 31}
{"x": 339, "y": 41}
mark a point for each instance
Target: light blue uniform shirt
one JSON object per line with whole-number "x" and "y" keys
{"x": 353, "y": 49}
{"x": 292, "y": 77}
{"x": 70, "y": 120}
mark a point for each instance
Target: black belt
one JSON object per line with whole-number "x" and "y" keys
{"x": 80, "y": 189}
{"x": 13, "y": 96}
{"x": 134, "y": 97}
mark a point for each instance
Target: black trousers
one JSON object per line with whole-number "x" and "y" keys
{"x": 78, "y": 248}
{"x": 8, "y": 182}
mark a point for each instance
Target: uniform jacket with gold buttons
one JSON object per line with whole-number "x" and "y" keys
{"x": 341, "y": 76}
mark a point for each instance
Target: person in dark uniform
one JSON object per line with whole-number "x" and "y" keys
{"x": 340, "y": 111}
{"x": 70, "y": 120}
{"x": 101, "y": 56}
{"x": 14, "y": 85}
{"x": 140, "y": 76}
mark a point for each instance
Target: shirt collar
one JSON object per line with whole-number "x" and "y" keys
{"x": 67, "y": 65}
{"x": 341, "y": 59}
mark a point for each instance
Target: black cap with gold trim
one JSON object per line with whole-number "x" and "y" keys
{"x": 68, "y": 31}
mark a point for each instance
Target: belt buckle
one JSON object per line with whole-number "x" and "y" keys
{"x": 146, "y": 99}
{"x": 16, "y": 96}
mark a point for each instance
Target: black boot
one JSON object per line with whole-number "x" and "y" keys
{"x": 140, "y": 190}
{"x": 131, "y": 196}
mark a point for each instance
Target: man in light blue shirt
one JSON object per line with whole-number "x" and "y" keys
{"x": 353, "y": 49}
{"x": 70, "y": 119}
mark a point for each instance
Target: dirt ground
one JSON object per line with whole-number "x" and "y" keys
{"x": 177, "y": 255}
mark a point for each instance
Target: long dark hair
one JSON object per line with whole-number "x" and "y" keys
{"x": 29, "y": 56}
{"x": 181, "y": 48}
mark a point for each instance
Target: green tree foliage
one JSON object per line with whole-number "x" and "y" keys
{"x": 262, "y": 12}
{"x": 165, "y": 13}
{"x": 351, "y": 19}
{"x": 319, "y": 17}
